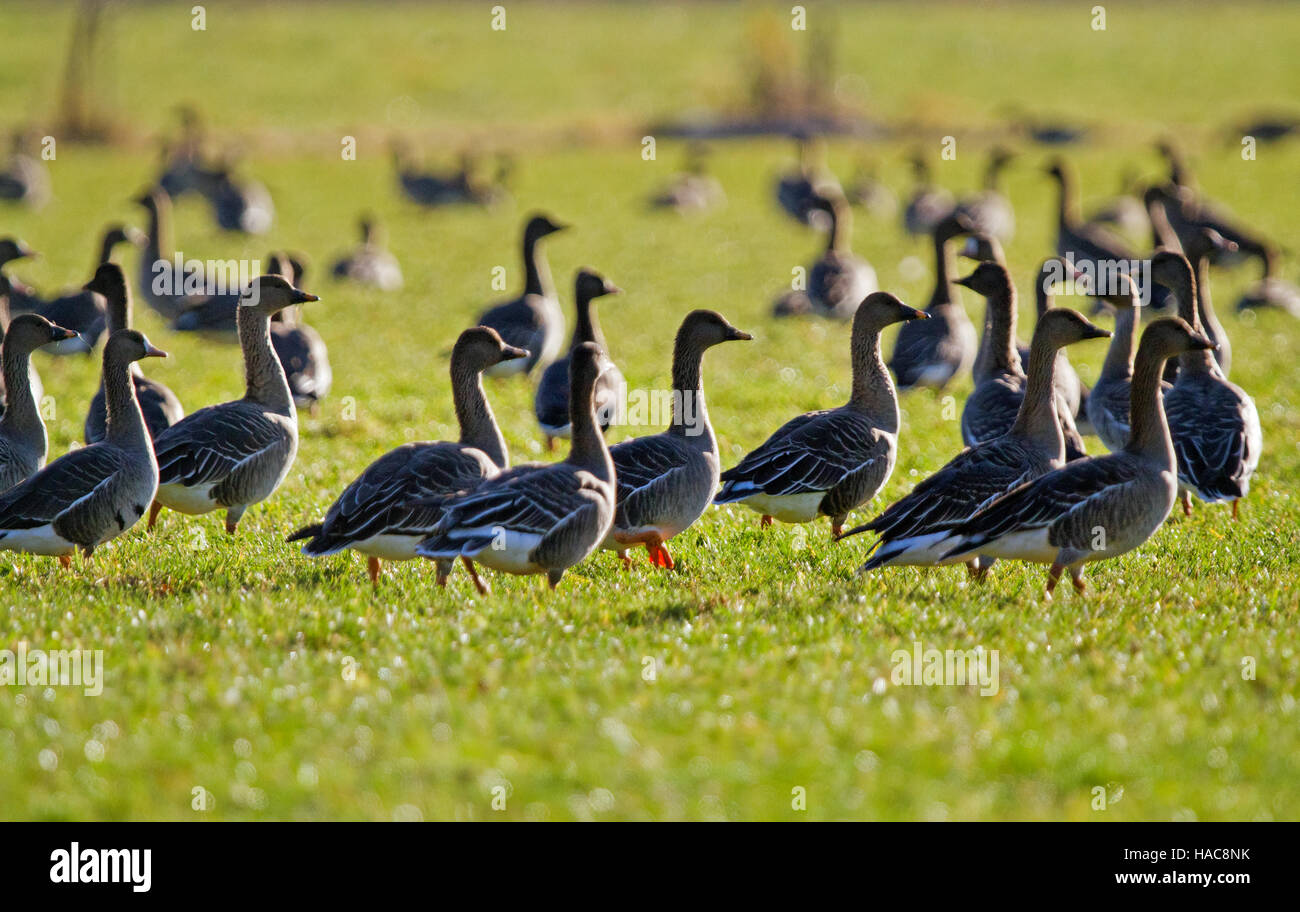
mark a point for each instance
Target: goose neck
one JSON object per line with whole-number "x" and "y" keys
{"x": 588, "y": 450}
{"x": 264, "y": 378}
{"x": 1037, "y": 419}
{"x": 690, "y": 417}
{"x": 1148, "y": 427}
{"x": 21, "y": 417}
{"x": 478, "y": 425}
{"x": 1119, "y": 355}
{"x": 873, "y": 391}
{"x": 537, "y": 272}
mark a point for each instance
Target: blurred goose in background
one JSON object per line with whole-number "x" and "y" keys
{"x": 393, "y": 504}
{"x": 551, "y": 402}
{"x": 161, "y": 288}
{"x": 870, "y": 193}
{"x": 978, "y": 474}
{"x": 25, "y": 178}
{"x": 1267, "y": 128}
{"x": 801, "y": 191}
{"x": 1125, "y": 212}
{"x": 1271, "y": 291}
{"x": 158, "y": 404}
{"x": 932, "y": 353}
{"x": 989, "y": 212}
{"x": 1000, "y": 380}
{"x": 1127, "y": 495}
{"x": 300, "y": 348}
{"x": 369, "y": 263}
{"x": 543, "y": 520}
{"x": 238, "y": 204}
{"x": 533, "y": 320}
{"x": 236, "y": 454}
{"x": 23, "y": 441}
{"x": 33, "y": 379}
{"x": 928, "y": 205}
{"x": 430, "y": 189}
{"x": 1109, "y": 400}
{"x": 665, "y": 481}
{"x": 830, "y": 462}
{"x": 182, "y": 161}
{"x": 1199, "y": 253}
{"x": 1075, "y": 240}
{"x": 838, "y": 281}
{"x": 94, "y": 493}
{"x": 1214, "y": 423}
{"x": 694, "y": 189}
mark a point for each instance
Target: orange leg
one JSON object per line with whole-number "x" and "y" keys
{"x": 837, "y": 529}
{"x": 659, "y": 555}
{"x": 65, "y": 561}
{"x": 1053, "y": 577}
{"x": 473, "y": 575}
{"x": 153, "y": 514}
{"x": 230, "y": 525}
{"x": 1076, "y": 577}
{"x": 765, "y": 522}
{"x": 1186, "y": 498}
{"x": 1235, "y": 514}
{"x": 372, "y": 567}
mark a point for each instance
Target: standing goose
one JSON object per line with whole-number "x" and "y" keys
{"x": 33, "y": 379}
{"x": 237, "y": 204}
{"x": 830, "y": 462}
{"x": 666, "y": 480}
{"x": 533, "y": 320}
{"x": 1095, "y": 508}
{"x": 989, "y": 212}
{"x": 932, "y": 353}
{"x": 1214, "y": 423}
{"x": 370, "y": 264}
{"x": 929, "y": 205}
{"x": 1110, "y": 397}
{"x": 1078, "y": 242}
{"x": 1271, "y": 290}
{"x": 236, "y": 454}
{"x": 551, "y": 403}
{"x": 392, "y": 505}
{"x": 838, "y": 281}
{"x": 79, "y": 309}
{"x": 158, "y": 404}
{"x": 694, "y": 190}
{"x": 543, "y": 520}
{"x": 23, "y": 442}
{"x": 25, "y": 179}
{"x": 97, "y": 492}
{"x": 799, "y": 192}
{"x": 299, "y": 347}
{"x": 1000, "y": 380}
{"x": 160, "y": 287}
{"x": 977, "y": 475}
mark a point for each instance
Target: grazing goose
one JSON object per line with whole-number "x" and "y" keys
{"x": 1095, "y": 508}
{"x": 33, "y": 379}
{"x": 159, "y": 405}
{"x": 932, "y": 353}
{"x": 299, "y": 347}
{"x": 533, "y": 320}
{"x": 458, "y": 187}
{"x": 869, "y": 192}
{"x": 23, "y": 442}
{"x": 838, "y": 281}
{"x": 1032, "y": 447}
{"x": 1188, "y": 214}
{"x": 97, "y": 492}
{"x": 25, "y": 179}
{"x": 1271, "y": 291}
{"x": 391, "y": 506}
{"x": 236, "y": 454}
{"x": 543, "y": 520}
{"x": 370, "y": 264}
{"x": 694, "y": 190}
{"x": 1215, "y": 426}
{"x": 830, "y": 462}
{"x": 799, "y": 192}
{"x": 929, "y": 205}
{"x": 989, "y": 212}
{"x": 237, "y": 205}
{"x": 551, "y": 403}
{"x": 666, "y": 480}
{"x": 1000, "y": 380}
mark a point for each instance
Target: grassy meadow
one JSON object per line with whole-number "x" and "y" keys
{"x": 286, "y": 689}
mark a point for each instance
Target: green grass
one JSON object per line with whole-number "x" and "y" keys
{"x": 225, "y": 658}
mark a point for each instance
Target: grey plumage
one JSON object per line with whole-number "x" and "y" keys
{"x": 23, "y": 441}
{"x": 932, "y": 352}
{"x": 533, "y": 320}
{"x": 551, "y": 401}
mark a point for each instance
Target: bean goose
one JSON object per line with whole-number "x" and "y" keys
{"x": 1188, "y": 214}
{"x": 533, "y": 320}
{"x": 830, "y": 462}
{"x": 838, "y": 281}
{"x": 1203, "y": 245}
{"x": 872, "y": 194}
{"x": 370, "y": 264}
{"x": 237, "y": 204}
{"x": 665, "y": 481}
{"x": 164, "y": 289}
{"x": 1094, "y": 508}
{"x": 33, "y": 379}
{"x": 1108, "y": 402}
{"x": 932, "y": 353}
{"x": 1000, "y": 380}
{"x": 1271, "y": 291}
{"x": 1214, "y": 423}
{"x": 928, "y": 205}
{"x": 1031, "y": 448}
{"x": 25, "y": 179}
{"x": 392, "y": 505}
{"x": 551, "y": 402}
{"x": 97, "y": 492}
{"x": 236, "y": 454}
{"x": 299, "y": 347}
{"x": 543, "y": 520}
{"x": 23, "y": 441}
{"x": 989, "y": 212}
{"x": 799, "y": 192}
{"x": 694, "y": 190}
{"x": 463, "y": 186}
{"x": 158, "y": 404}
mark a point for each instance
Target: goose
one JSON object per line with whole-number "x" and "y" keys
{"x": 665, "y": 481}
{"x": 160, "y": 287}
{"x": 370, "y": 264}
{"x": 1000, "y": 380}
{"x": 872, "y": 194}
{"x": 386, "y": 511}
{"x": 25, "y": 180}
{"x": 1076, "y": 241}
{"x": 1032, "y": 447}
{"x": 1214, "y": 423}
{"x": 932, "y": 353}
{"x": 1188, "y": 211}
{"x": 1109, "y": 400}
{"x": 1268, "y": 128}
{"x": 33, "y": 379}
{"x": 693, "y": 190}
{"x": 799, "y": 192}
{"x": 299, "y": 347}
{"x": 533, "y": 320}
{"x": 1271, "y": 291}
{"x": 928, "y": 205}
{"x": 551, "y": 402}
{"x": 182, "y": 162}
{"x": 23, "y": 442}
{"x": 1094, "y": 508}
{"x": 237, "y": 204}
{"x": 430, "y": 190}
{"x": 830, "y": 462}
{"x": 236, "y": 454}
{"x": 1199, "y": 253}
{"x": 158, "y": 404}
{"x": 989, "y": 212}
{"x": 838, "y": 281}
{"x": 95, "y": 493}
{"x": 1125, "y": 212}
{"x": 543, "y": 520}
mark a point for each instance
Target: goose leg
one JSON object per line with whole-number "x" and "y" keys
{"x": 553, "y": 577}
{"x": 658, "y": 553}
{"x": 444, "y": 571}
{"x": 837, "y": 527}
{"x": 550, "y": 444}
{"x": 372, "y": 567}
{"x": 977, "y": 570}
{"x": 765, "y": 521}
{"x": 65, "y": 561}
{"x": 1076, "y": 577}
{"x": 1235, "y": 514}
{"x": 481, "y": 586}
{"x": 154, "y": 510}
{"x": 233, "y": 515}
{"x": 1054, "y": 577}
{"x": 627, "y": 561}
{"x": 1186, "y": 498}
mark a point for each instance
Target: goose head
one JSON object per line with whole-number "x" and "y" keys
{"x": 706, "y": 328}
{"x": 880, "y": 309}
{"x": 479, "y": 347}
{"x": 109, "y": 281}
{"x": 116, "y": 234}
{"x": 1206, "y": 241}
{"x": 590, "y": 285}
{"x": 1170, "y": 269}
{"x": 1057, "y": 169}
{"x": 28, "y": 332}
{"x": 270, "y": 294}
{"x": 539, "y": 226}
{"x": 988, "y": 279}
{"x": 14, "y": 249}
{"x": 127, "y": 345}
{"x": 1124, "y": 293}
{"x": 1171, "y": 336}
{"x": 1061, "y": 326}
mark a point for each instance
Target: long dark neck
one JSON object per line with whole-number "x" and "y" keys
{"x": 1001, "y": 321}
{"x": 124, "y": 425}
{"x": 587, "y": 328}
{"x": 1042, "y": 296}
{"x": 841, "y": 229}
{"x": 690, "y": 415}
{"x": 537, "y": 273}
{"x": 588, "y": 450}
{"x": 105, "y": 250}
{"x": 945, "y": 264}
{"x": 264, "y": 379}
{"x": 1148, "y": 429}
{"x": 21, "y": 417}
{"x": 1067, "y": 202}
{"x": 1210, "y": 324}
{"x": 478, "y": 426}
{"x": 1037, "y": 418}
{"x": 160, "y": 231}
{"x": 873, "y": 391}
{"x": 1185, "y": 290}
{"x": 1119, "y": 355}
{"x": 119, "y": 317}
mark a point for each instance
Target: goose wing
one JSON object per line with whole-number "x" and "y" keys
{"x": 55, "y": 491}
{"x": 813, "y": 452}
{"x": 645, "y": 472}
{"x": 1215, "y": 430}
{"x": 213, "y": 442}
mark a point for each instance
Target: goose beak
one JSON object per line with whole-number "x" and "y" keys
{"x": 304, "y": 297}
{"x": 510, "y": 353}
{"x": 612, "y": 289}
{"x": 60, "y": 333}
{"x": 911, "y": 313}
{"x": 965, "y": 281}
{"x": 153, "y": 351}
{"x": 1096, "y": 332}
{"x": 737, "y": 335}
